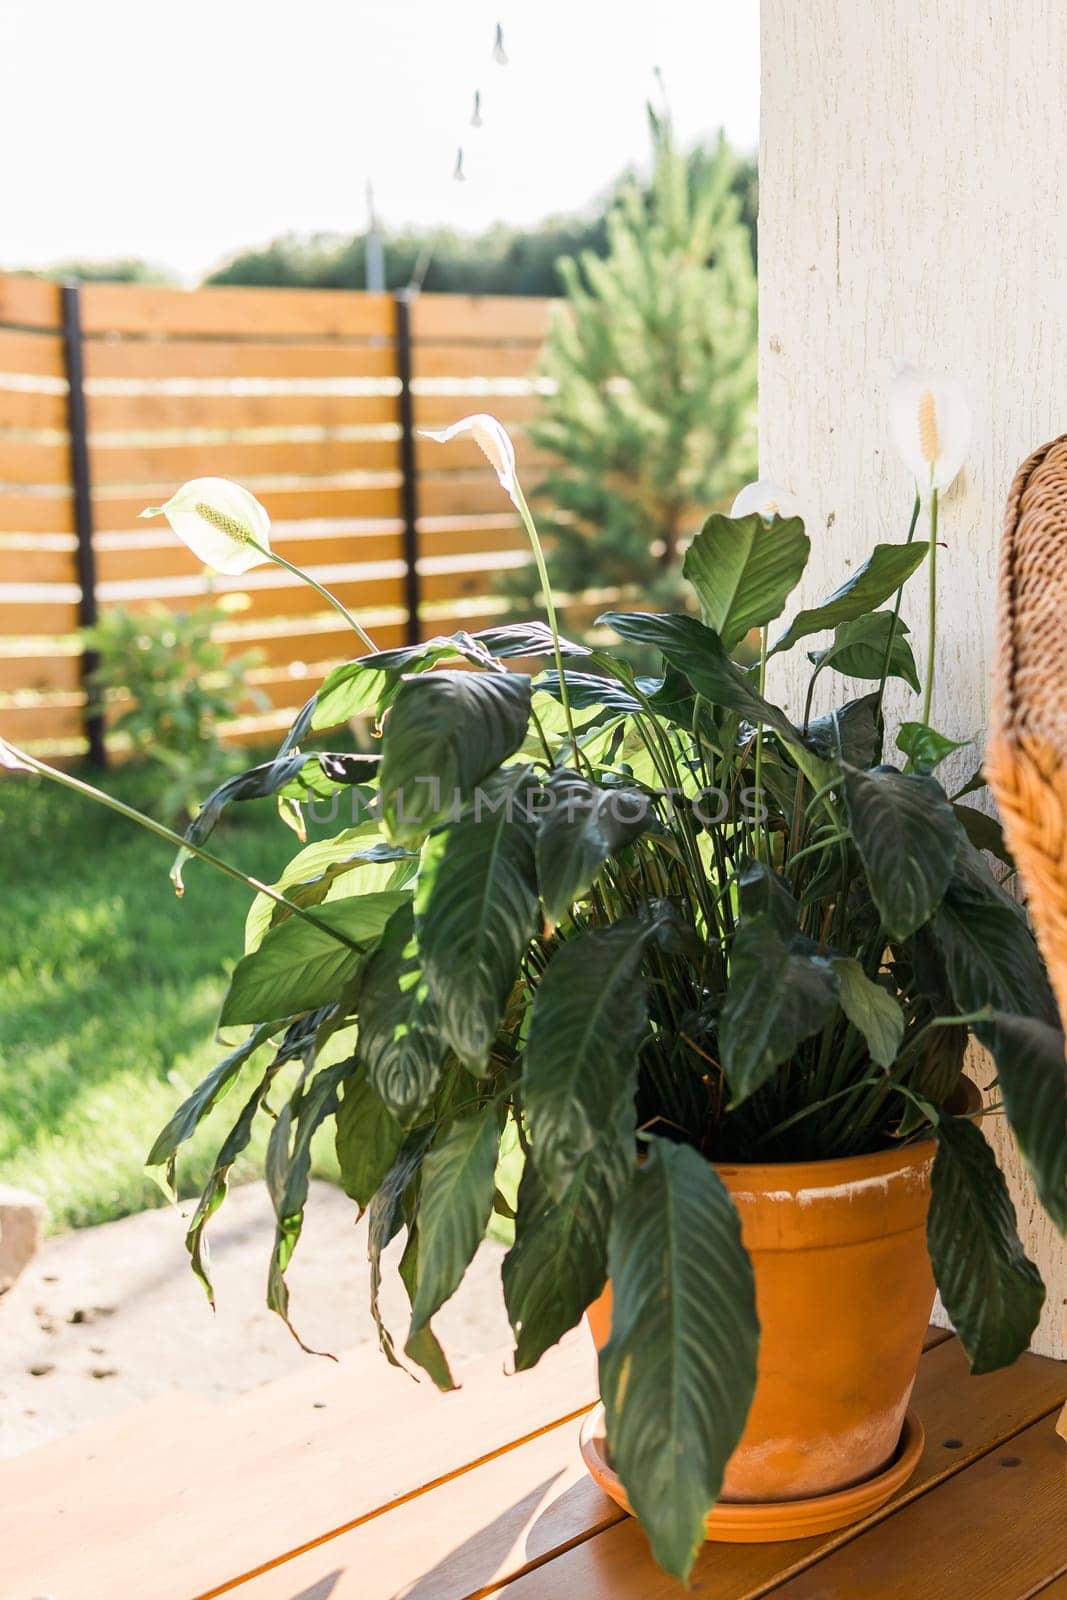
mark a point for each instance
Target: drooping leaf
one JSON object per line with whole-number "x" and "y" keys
{"x": 860, "y": 649}
{"x": 990, "y": 954}
{"x": 385, "y": 1218}
{"x": 589, "y": 691}
{"x": 207, "y": 1094}
{"x": 357, "y": 860}
{"x": 1032, "y": 1078}
{"x": 580, "y": 1070}
{"x": 679, "y": 1372}
{"x": 445, "y": 733}
{"x": 984, "y": 832}
{"x": 400, "y": 1039}
{"x": 907, "y": 837}
{"x": 476, "y": 908}
{"x": 301, "y": 965}
{"x": 582, "y": 826}
{"x": 557, "y": 1265}
{"x": 888, "y": 566}
{"x": 992, "y": 1292}
{"x": 924, "y": 747}
{"x": 424, "y": 1347}
{"x": 848, "y": 734}
{"x": 744, "y": 571}
{"x": 779, "y": 994}
{"x": 870, "y": 1008}
{"x": 367, "y": 1140}
{"x": 454, "y": 1209}
{"x": 519, "y": 639}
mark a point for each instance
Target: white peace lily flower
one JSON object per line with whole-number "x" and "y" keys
{"x": 767, "y": 498}
{"x": 223, "y": 525}
{"x": 930, "y": 424}
{"x": 492, "y": 438}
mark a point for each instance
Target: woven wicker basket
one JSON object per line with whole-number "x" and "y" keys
{"x": 1026, "y": 757}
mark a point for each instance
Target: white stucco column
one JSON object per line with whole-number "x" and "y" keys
{"x": 913, "y": 204}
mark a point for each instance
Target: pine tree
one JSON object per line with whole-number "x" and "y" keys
{"x": 652, "y": 420}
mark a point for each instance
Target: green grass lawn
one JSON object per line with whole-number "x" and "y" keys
{"x": 109, "y": 992}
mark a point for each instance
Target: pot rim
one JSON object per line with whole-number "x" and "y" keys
{"x": 836, "y": 1171}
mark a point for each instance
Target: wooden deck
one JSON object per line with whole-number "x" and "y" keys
{"x": 351, "y": 1482}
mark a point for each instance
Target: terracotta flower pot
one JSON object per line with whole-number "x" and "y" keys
{"x": 844, "y": 1292}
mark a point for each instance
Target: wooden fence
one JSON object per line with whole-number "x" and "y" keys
{"x": 113, "y": 395}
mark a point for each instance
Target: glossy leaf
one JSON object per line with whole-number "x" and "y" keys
{"x": 445, "y": 733}
{"x": 744, "y": 571}
{"x": 991, "y": 1291}
{"x": 204, "y": 1098}
{"x": 581, "y": 827}
{"x": 476, "y": 909}
{"x": 859, "y": 649}
{"x": 907, "y": 838}
{"x": 367, "y": 1138}
{"x": 924, "y": 747}
{"x": 580, "y": 1070}
{"x": 678, "y": 1374}
{"x": 779, "y": 995}
{"x": 400, "y": 1039}
{"x": 870, "y": 1008}
{"x": 848, "y": 734}
{"x": 355, "y": 861}
{"x": 301, "y": 965}
{"x": 454, "y": 1209}
{"x": 888, "y": 567}
{"x": 1032, "y": 1079}
{"x": 990, "y": 954}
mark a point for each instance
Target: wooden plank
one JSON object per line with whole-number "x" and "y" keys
{"x": 148, "y": 561}
{"x": 31, "y": 355}
{"x": 22, "y": 619}
{"x": 993, "y": 1531}
{"x": 441, "y": 410}
{"x": 116, "y": 413}
{"x": 470, "y": 1534}
{"x": 235, "y": 312}
{"x": 381, "y": 502}
{"x": 475, "y": 361}
{"x": 28, "y": 563}
{"x": 460, "y": 494}
{"x": 474, "y": 540}
{"x": 41, "y": 724}
{"x": 249, "y": 462}
{"x": 36, "y": 513}
{"x": 184, "y": 1521}
{"x": 965, "y": 1419}
{"x": 332, "y": 642}
{"x": 29, "y": 302}
{"x": 374, "y": 587}
{"x": 206, "y": 358}
{"x": 33, "y": 408}
{"x": 39, "y": 673}
{"x": 463, "y": 455}
{"x": 488, "y": 318}
{"x": 28, "y": 461}
{"x": 472, "y": 578}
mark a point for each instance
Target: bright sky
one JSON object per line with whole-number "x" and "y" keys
{"x": 184, "y": 132}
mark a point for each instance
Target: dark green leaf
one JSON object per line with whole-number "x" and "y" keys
{"x": 520, "y": 639}
{"x": 744, "y": 571}
{"x": 424, "y": 1347}
{"x": 924, "y": 747}
{"x": 859, "y": 649}
{"x": 990, "y": 1290}
{"x": 678, "y": 1374}
{"x": 848, "y": 734}
{"x": 989, "y": 952}
{"x": 557, "y": 1265}
{"x": 907, "y": 837}
{"x": 385, "y": 1218}
{"x": 476, "y": 909}
{"x": 870, "y": 1008}
{"x": 185, "y": 1121}
{"x": 400, "y": 1041}
{"x": 301, "y": 965}
{"x": 889, "y": 566}
{"x": 355, "y": 861}
{"x": 580, "y": 1072}
{"x": 760, "y": 889}
{"x": 1032, "y": 1078}
{"x": 581, "y": 827}
{"x": 779, "y": 995}
{"x": 445, "y": 733}
{"x": 454, "y": 1209}
{"x": 368, "y": 1138}
{"x": 984, "y": 832}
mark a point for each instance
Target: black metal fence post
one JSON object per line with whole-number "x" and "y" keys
{"x": 83, "y": 512}
{"x": 409, "y": 488}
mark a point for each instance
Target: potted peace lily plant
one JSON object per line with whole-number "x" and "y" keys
{"x": 712, "y": 965}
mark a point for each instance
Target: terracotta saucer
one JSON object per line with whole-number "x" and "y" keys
{"x": 735, "y": 1522}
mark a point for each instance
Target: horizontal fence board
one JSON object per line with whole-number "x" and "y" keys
{"x": 31, "y": 563}
{"x": 41, "y": 724}
{"x": 373, "y": 590}
{"x": 30, "y": 302}
{"x": 21, "y": 619}
{"x": 488, "y": 318}
{"x": 159, "y": 359}
{"x": 44, "y": 674}
{"x": 473, "y": 540}
{"x": 234, "y": 312}
{"x": 474, "y": 361}
{"x": 454, "y": 494}
{"x": 376, "y": 501}
{"x": 229, "y": 410}
{"x": 466, "y": 583}
{"x": 169, "y": 558}
{"x": 302, "y": 458}
{"x": 33, "y": 409}
{"x": 31, "y": 355}
{"x": 441, "y": 410}
{"x": 462, "y": 454}
{"x": 26, "y": 461}
{"x": 36, "y": 513}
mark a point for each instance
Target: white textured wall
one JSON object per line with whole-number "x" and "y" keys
{"x": 913, "y": 204}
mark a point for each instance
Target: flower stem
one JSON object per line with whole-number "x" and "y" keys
{"x": 763, "y": 645}
{"x": 928, "y": 694}
{"x": 68, "y": 781}
{"x": 305, "y": 577}
{"x": 879, "y": 719}
{"x": 522, "y": 507}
